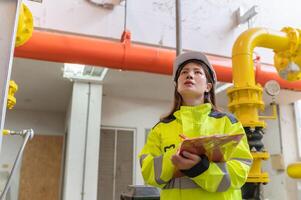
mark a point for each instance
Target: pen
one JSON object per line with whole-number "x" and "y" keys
{"x": 182, "y": 136}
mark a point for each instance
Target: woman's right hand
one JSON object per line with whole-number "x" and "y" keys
{"x": 185, "y": 161}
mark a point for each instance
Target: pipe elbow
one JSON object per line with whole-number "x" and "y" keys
{"x": 247, "y": 41}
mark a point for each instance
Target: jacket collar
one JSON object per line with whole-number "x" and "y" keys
{"x": 197, "y": 110}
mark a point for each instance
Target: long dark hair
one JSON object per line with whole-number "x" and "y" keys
{"x": 209, "y": 97}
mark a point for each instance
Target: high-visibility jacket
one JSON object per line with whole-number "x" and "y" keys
{"x": 221, "y": 180}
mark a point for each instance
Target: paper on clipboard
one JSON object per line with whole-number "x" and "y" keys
{"x": 218, "y": 148}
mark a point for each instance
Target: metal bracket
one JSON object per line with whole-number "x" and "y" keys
{"x": 39, "y": 1}
{"x": 246, "y": 17}
{"x": 107, "y": 4}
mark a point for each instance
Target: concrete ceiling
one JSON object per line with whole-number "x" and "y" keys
{"x": 43, "y": 88}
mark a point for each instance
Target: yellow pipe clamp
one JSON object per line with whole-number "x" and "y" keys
{"x": 25, "y": 26}
{"x": 11, "y": 99}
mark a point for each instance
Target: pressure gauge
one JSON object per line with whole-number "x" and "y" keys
{"x": 272, "y": 88}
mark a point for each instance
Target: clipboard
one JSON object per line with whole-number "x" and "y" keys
{"x": 218, "y": 148}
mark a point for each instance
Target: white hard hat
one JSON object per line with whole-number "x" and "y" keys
{"x": 180, "y": 59}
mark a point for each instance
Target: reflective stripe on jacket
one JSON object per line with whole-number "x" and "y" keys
{"x": 220, "y": 181}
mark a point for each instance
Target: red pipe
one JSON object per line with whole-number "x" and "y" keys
{"x": 264, "y": 73}
{"x": 58, "y": 47}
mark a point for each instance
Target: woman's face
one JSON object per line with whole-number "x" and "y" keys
{"x": 192, "y": 81}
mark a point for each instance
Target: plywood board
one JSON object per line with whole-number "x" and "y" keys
{"x": 41, "y": 168}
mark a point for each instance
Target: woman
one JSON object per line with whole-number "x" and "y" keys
{"x": 188, "y": 176}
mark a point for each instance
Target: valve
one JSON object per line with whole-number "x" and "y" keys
{"x": 20, "y": 133}
{"x": 288, "y": 62}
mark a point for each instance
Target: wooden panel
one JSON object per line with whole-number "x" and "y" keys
{"x": 106, "y": 164}
{"x": 41, "y": 168}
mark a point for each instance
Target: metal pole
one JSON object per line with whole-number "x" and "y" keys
{"x": 125, "y": 14}
{"x": 9, "y": 13}
{"x": 28, "y": 135}
{"x": 178, "y": 27}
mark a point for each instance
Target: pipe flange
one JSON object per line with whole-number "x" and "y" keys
{"x": 294, "y": 37}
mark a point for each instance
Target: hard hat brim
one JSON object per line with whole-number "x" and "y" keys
{"x": 180, "y": 59}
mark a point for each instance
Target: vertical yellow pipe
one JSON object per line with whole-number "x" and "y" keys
{"x": 247, "y": 97}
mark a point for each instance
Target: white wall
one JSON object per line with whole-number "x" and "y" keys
{"x": 290, "y": 150}
{"x": 133, "y": 113}
{"x": 280, "y": 138}
{"x": 208, "y": 25}
{"x": 273, "y": 144}
{"x": 9, "y": 151}
{"x": 43, "y": 123}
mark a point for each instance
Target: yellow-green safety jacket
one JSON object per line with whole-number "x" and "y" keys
{"x": 217, "y": 180}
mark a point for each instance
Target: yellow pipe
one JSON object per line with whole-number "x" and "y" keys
{"x": 255, "y": 174}
{"x": 245, "y": 97}
{"x": 242, "y": 52}
{"x": 245, "y": 102}
{"x": 243, "y": 73}
{"x": 294, "y": 170}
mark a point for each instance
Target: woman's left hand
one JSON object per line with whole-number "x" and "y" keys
{"x": 187, "y": 161}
